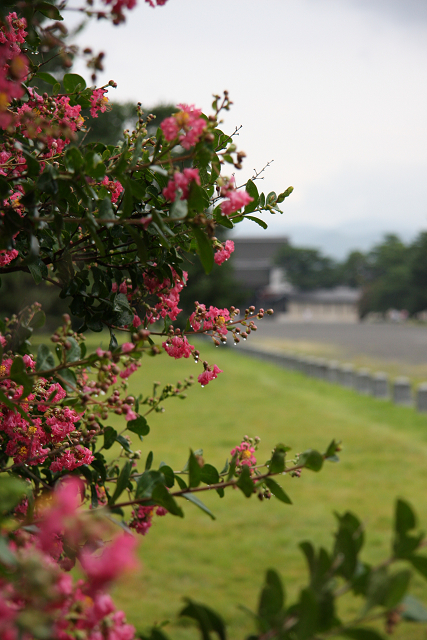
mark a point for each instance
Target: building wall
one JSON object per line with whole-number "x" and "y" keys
{"x": 320, "y": 312}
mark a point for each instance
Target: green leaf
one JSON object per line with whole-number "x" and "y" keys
{"x": 311, "y": 459}
{"x": 124, "y": 442}
{"x": 38, "y": 270}
{"x": 245, "y": 482}
{"x": 260, "y": 222}
{"x": 122, "y": 481}
{"x": 179, "y": 209}
{"x": 308, "y": 614}
{"x": 38, "y": 320}
{"x": 46, "y": 77}
{"x": 206, "y": 619}
{"x": 73, "y": 159}
{"x": 168, "y": 474}
{"x": 162, "y": 497}
{"x": 359, "y": 633}
{"x": 45, "y": 359}
{"x": 419, "y": 563}
{"x": 6, "y": 555}
{"x": 330, "y": 453}
{"x": 110, "y": 436}
{"x": 139, "y": 426}
{"x": 33, "y": 166}
{"x": 405, "y": 518}
{"x": 277, "y": 462}
{"x": 149, "y": 461}
{"x": 271, "y": 600}
{"x": 12, "y": 491}
{"x": 147, "y": 482}
{"x": 68, "y": 377}
{"x": 73, "y": 82}
{"x": 198, "y": 199}
{"x": 19, "y": 375}
{"x": 397, "y": 588}
{"x": 413, "y": 609}
{"x": 49, "y": 10}
{"x": 192, "y": 498}
{"x": 222, "y": 220}
{"x": 232, "y": 467}
{"x": 205, "y": 249}
{"x": 253, "y": 192}
{"x": 74, "y": 353}
{"x": 277, "y": 490}
{"x": 208, "y": 474}
{"x": 194, "y": 470}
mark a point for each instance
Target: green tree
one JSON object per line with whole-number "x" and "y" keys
{"x": 307, "y": 269}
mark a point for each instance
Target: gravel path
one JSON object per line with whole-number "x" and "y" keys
{"x": 397, "y": 342}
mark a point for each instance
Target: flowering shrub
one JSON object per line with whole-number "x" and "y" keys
{"x": 110, "y": 228}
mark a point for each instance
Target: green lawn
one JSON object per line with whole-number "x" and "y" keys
{"x": 222, "y": 563}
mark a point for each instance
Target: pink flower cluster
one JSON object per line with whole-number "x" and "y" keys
{"x": 115, "y": 188}
{"x": 178, "y": 347}
{"x": 13, "y": 64}
{"x": 234, "y": 200}
{"x": 210, "y": 373}
{"x": 142, "y": 518}
{"x": 168, "y": 294}
{"x": 98, "y": 99}
{"x": 80, "y": 610}
{"x": 211, "y": 319}
{"x": 187, "y": 121}
{"x": 51, "y": 425}
{"x": 7, "y": 256}
{"x": 223, "y": 254}
{"x": 245, "y": 454}
{"x": 181, "y": 181}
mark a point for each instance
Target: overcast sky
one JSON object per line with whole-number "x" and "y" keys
{"x": 333, "y": 90}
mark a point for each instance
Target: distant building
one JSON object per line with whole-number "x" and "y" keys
{"x": 254, "y": 265}
{"x": 255, "y": 270}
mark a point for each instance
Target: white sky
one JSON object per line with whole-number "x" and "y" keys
{"x": 333, "y": 90}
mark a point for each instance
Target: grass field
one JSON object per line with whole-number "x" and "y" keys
{"x": 222, "y": 562}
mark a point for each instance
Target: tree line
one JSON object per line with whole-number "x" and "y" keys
{"x": 392, "y": 275}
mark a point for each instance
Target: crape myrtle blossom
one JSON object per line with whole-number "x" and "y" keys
{"x": 115, "y": 188}
{"x": 99, "y": 102}
{"x": 13, "y": 64}
{"x": 187, "y": 121}
{"x": 210, "y": 373}
{"x": 222, "y": 254}
{"x": 181, "y": 181}
{"x": 245, "y": 452}
{"x": 211, "y": 319}
{"x": 178, "y": 347}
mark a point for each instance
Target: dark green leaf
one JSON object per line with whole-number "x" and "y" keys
{"x": 205, "y": 249}
{"x": 19, "y": 375}
{"x": 45, "y": 359}
{"x": 139, "y": 426}
{"x": 67, "y": 377}
{"x": 308, "y": 613}
{"x": 397, "y": 588}
{"x": 38, "y": 320}
{"x": 168, "y": 475}
{"x": 179, "y": 209}
{"x": 49, "y": 10}
{"x": 147, "y": 482}
{"x": 124, "y": 442}
{"x": 208, "y": 474}
{"x": 73, "y": 82}
{"x": 192, "y": 498}
{"x": 419, "y": 563}
{"x": 245, "y": 482}
{"x": 194, "y": 470}
{"x": 198, "y": 199}
{"x": 253, "y": 192}
{"x": 12, "y": 491}
{"x": 277, "y": 490}
{"x": 122, "y": 481}
{"x": 46, "y": 77}
{"x": 405, "y": 518}
{"x": 110, "y": 436}
{"x": 149, "y": 461}
{"x": 259, "y": 222}
{"x": 162, "y": 497}
{"x": 33, "y": 166}
{"x": 206, "y": 619}
{"x": 277, "y": 462}
{"x": 271, "y": 600}
{"x": 311, "y": 459}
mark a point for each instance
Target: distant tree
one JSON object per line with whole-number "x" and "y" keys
{"x": 418, "y": 274}
{"x": 307, "y": 269}
{"x": 355, "y": 271}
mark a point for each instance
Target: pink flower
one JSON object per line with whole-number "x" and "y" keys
{"x": 127, "y": 347}
{"x": 136, "y": 321}
{"x": 235, "y": 201}
{"x": 245, "y": 454}
{"x": 63, "y": 508}
{"x": 7, "y": 256}
{"x": 178, "y": 347}
{"x": 187, "y": 120}
{"x": 223, "y": 254}
{"x": 98, "y": 101}
{"x": 208, "y": 375}
{"x": 116, "y": 558}
{"x": 181, "y": 181}
{"x": 114, "y": 186}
